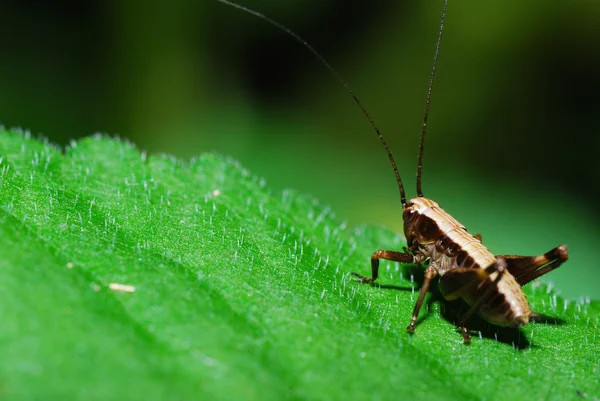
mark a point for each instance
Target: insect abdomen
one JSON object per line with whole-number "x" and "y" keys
{"x": 507, "y": 307}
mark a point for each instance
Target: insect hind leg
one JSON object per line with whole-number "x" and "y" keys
{"x": 528, "y": 268}
{"x": 500, "y": 267}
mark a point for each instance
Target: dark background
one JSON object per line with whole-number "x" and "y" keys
{"x": 513, "y": 137}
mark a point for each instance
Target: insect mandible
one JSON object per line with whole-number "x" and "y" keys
{"x": 489, "y": 284}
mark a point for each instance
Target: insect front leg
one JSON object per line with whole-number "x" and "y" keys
{"x": 387, "y": 255}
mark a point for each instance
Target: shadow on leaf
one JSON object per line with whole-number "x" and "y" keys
{"x": 452, "y": 311}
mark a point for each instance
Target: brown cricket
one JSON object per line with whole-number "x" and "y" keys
{"x": 489, "y": 284}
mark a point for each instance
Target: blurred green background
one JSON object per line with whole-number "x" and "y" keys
{"x": 513, "y": 130}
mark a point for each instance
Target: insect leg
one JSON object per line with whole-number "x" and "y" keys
{"x": 499, "y": 267}
{"x": 478, "y": 237}
{"x": 528, "y": 268}
{"x": 454, "y": 282}
{"x": 387, "y": 255}
{"x": 430, "y": 273}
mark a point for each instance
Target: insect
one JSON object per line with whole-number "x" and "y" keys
{"x": 489, "y": 284}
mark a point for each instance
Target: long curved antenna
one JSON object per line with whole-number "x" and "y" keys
{"x": 339, "y": 79}
{"x": 431, "y": 78}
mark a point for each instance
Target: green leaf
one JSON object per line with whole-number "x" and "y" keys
{"x": 240, "y": 293}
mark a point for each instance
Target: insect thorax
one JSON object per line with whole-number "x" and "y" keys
{"x": 432, "y": 233}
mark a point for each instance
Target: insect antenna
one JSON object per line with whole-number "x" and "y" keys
{"x": 426, "y": 113}
{"x": 340, "y": 80}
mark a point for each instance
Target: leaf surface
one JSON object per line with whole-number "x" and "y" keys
{"x": 240, "y": 293}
